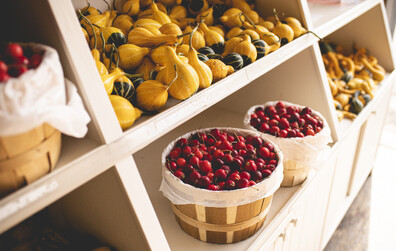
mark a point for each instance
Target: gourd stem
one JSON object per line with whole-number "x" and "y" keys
{"x": 84, "y": 10}
{"x": 114, "y": 7}
{"x": 90, "y": 23}
{"x": 276, "y": 15}
{"x": 248, "y": 18}
{"x": 191, "y": 36}
{"x": 321, "y": 39}
{"x": 182, "y": 35}
{"x": 269, "y": 35}
{"x": 103, "y": 43}
{"x": 108, "y": 5}
{"x": 117, "y": 54}
{"x": 137, "y": 75}
{"x": 176, "y": 76}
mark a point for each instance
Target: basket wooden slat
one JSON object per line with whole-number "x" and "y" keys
{"x": 26, "y": 157}
{"x": 293, "y": 174}
{"x": 222, "y": 224}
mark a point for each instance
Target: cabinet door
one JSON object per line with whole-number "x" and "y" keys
{"x": 368, "y": 144}
{"x": 338, "y": 200}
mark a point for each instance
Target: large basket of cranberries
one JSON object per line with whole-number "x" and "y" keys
{"x": 220, "y": 182}
{"x": 301, "y": 133}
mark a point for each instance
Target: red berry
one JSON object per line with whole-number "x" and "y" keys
{"x": 265, "y": 173}
{"x": 194, "y": 161}
{"x": 234, "y": 176}
{"x": 250, "y": 166}
{"x": 255, "y": 122}
{"x": 213, "y": 187}
{"x": 210, "y": 176}
{"x": 4, "y": 77}
{"x": 260, "y": 114}
{"x": 179, "y": 174}
{"x": 239, "y": 145}
{"x": 282, "y": 112}
{"x": 13, "y": 51}
{"x": 251, "y": 183}
{"x": 283, "y": 133}
{"x": 270, "y": 167}
{"x": 264, "y": 127}
{"x": 257, "y": 176}
{"x": 198, "y": 153}
{"x": 310, "y": 132}
{"x": 205, "y": 166}
{"x": 218, "y": 154}
{"x": 274, "y": 130}
{"x": 172, "y": 166}
{"x": 226, "y": 168}
{"x": 273, "y": 122}
{"x": 227, "y": 158}
{"x": 279, "y": 105}
{"x": 3, "y": 67}
{"x": 226, "y": 145}
{"x": 257, "y": 141}
{"x": 194, "y": 177}
{"x": 264, "y": 152}
{"x": 229, "y": 185}
{"x": 245, "y": 175}
{"x": 269, "y": 146}
{"x": 186, "y": 151}
{"x": 236, "y": 164}
{"x": 242, "y": 183}
{"x": 276, "y": 117}
{"x": 273, "y": 162}
{"x": 203, "y": 182}
{"x": 188, "y": 168}
{"x": 283, "y": 123}
{"x": 209, "y": 141}
{"x": 22, "y": 60}
{"x": 182, "y": 142}
{"x": 35, "y": 61}
{"x": 221, "y": 185}
{"x": 181, "y": 162}
{"x": 220, "y": 174}
{"x": 292, "y": 134}
{"x": 306, "y": 110}
{"x": 207, "y": 157}
{"x": 300, "y": 134}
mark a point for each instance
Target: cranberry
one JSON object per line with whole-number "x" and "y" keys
{"x": 35, "y": 61}
{"x": 220, "y": 174}
{"x": 306, "y": 110}
{"x": 242, "y": 183}
{"x": 264, "y": 127}
{"x": 283, "y": 133}
{"x": 234, "y": 176}
{"x": 264, "y": 152}
{"x": 269, "y": 146}
{"x": 182, "y": 142}
{"x": 265, "y": 173}
{"x": 240, "y": 145}
{"x": 257, "y": 175}
{"x": 181, "y": 162}
{"x": 213, "y": 187}
{"x": 4, "y": 77}
{"x": 180, "y": 175}
{"x": 283, "y": 123}
{"x": 172, "y": 166}
{"x": 205, "y": 166}
{"x": 250, "y": 166}
{"x": 274, "y": 130}
{"x": 194, "y": 177}
{"x": 13, "y": 51}
{"x": 203, "y": 182}
{"x": 279, "y": 105}
{"x": 229, "y": 185}
{"x": 3, "y": 67}
{"x": 245, "y": 175}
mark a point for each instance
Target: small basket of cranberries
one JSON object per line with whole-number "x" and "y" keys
{"x": 217, "y": 172}
{"x": 301, "y": 133}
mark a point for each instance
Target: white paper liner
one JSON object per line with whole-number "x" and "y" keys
{"x": 40, "y": 96}
{"x": 308, "y": 151}
{"x": 180, "y": 193}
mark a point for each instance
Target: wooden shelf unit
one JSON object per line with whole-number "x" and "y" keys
{"x": 107, "y": 183}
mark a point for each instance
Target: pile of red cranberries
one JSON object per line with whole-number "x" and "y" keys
{"x": 220, "y": 160}
{"x": 286, "y": 121}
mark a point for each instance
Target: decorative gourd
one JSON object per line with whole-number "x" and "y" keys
{"x": 183, "y": 58}
{"x": 184, "y": 22}
{"x": 215, "y": 56}
{"x": 187, "y": 81}
{"x": 232, "y": 18}
{"x": 145, "y": 67}
{"x": 178, "y": 12}
{"x": 252, "y": 33}
{"x": 112, "y": 35}
{"x": 219, "y": 69}
{"x": 136, "y": 81}
{"x": 85, "y": 34}
{"x": 124, "y": 23}
{"x": 207, "y": 15}
{"x": 89, "y": 10}
{"x": 235, "y": 60}
{"x": 97, "y": 20}
{"x": 147, "y": 22}
{"x": 171, "y": 28}
{"x": 198, "y": 40}
{"x": 245, "y": 8}
{"x": 283, "y": 31}
{"x": 298, "y": 30}
{"x": 231, "y": 44}
{"x": 131, "y": 7}
{"x": 145, "y": 3}
{"x": 247, "y": 50}
{"x": 233, "y": 32}
{"x": 356, "y": 105}
{"x": 342, "y": 98}
{"x": 262, "y": 47}
{"x": 123, "y": 87}
{"x": 364, "y": 98}
{"x": 144, "y": 38}
{"x": 151, "y": 95}
{"x": 159, "y": 16}
{"x": 182, "y": 49}
{"x": 124, "y": 110}
{"x": 131, "y": 55}
{"x": 206, "y": 50}
{"x": 212, "y": 38}
{"x": 197, "y": 6}
{"x": 205, "y": 75}
{"x": 217, "y": 29}
{"x": 202, "y": 57}
{"x": 257, "y": 28}
{"x": 108, "y": 80}
{"x": 157, "y": 54}
{"x": 267, "y": 24}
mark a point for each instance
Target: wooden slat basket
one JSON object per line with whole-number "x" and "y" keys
{"x": 294, "y": 174}
{"x": 26, "y": 157}
{"x": 222, "y": 224}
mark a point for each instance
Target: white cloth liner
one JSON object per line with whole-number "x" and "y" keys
{"x": 308, "y": 151}
{"x": 42, "y": 95}
{"x": 179, "y": 192}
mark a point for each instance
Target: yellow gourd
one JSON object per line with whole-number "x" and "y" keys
{"x": 85, "y": 34}
{"x": 183, "y": 22}
{"x": 258, "y": 28}
{"x": 232, "y": 18}
{"x": 144, "y": 38}
{"x": 131, "y": 55}
{"x": 187, "y": 81}
{"x": 159, "y": 16}
{"x": 182, "y": 49}
{"x": 147, "y": 22}
{"x": 212, "y": 38}
{"x": 97, "y": 20}
{"x": 207, "y": 15}
{"x": 131, "y": 7}
{"x": 245, "y": 8}
{"x": 198, "y": 40}
{"x": 108, "y": 80}
{"x": 151, "y": 95}
{"x": 171, "y": 28}
{"x": 233, "y": 32}
{"x": 247, "y": 50}
{"x": 124, "y": 23}
{"x": 145, "y": 3}
{"x": 145, "y": 67}
{"x": 197, "y": 6}
{"x": 217, "y": 29}
{"x": 157, "y": 54}
{"x": 89, "y": 10}
{"x": 298, "y": 30}
{"x": 267, "y": 24}
{"x": 252, "y": 33}
{"x": 205, "y": 75}
{"x": 178, "y": 12}
{"x": 283, "y": 31}
{"x": 219, "y": 69}
{"x": 113, "y": 15}
{"x": 124, "y": 110}
{"x": 231, "y": 44}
